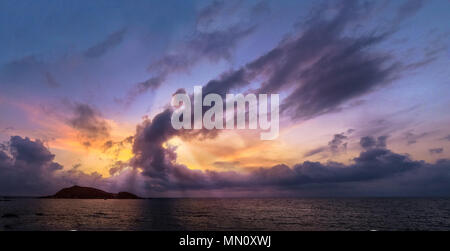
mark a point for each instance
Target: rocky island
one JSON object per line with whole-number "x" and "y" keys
{"x": 78, "y": 192}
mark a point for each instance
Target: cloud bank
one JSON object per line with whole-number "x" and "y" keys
{"x": 27, "y": 167}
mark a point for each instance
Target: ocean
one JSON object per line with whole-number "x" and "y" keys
{"x": 342, "y": 214}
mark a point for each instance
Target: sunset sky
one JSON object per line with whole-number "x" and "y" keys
{"x": 85, "y": 89}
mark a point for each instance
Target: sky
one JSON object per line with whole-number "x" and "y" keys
{"x": 85, "y": 91}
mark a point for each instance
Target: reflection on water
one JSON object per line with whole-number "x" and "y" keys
{"x": 226, "y": 214}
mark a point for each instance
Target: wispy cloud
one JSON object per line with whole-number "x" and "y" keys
{"x": 103, "y": 47}
{"x": 207, "y": 42}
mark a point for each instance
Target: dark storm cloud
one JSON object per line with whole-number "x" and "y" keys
{"x": 103, "y": 47}
{"x": 321, "y": 67}
{"x": 29, "y": 151}
{"x": 88, "y": 122}
{"x": 27, "y": 168}
{"x": 158, "y": 163}
{"x": 338, "y": 77}
{"x": 436, "y": 150}
{"x": 375, "y": 165}
{"x": 150, "y": 155}
{"x": 370, "y": 165}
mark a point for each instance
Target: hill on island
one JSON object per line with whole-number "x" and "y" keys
{"x": 77, "y": 192}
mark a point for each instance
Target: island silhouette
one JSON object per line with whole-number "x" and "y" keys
{"x": 78, "y": 192}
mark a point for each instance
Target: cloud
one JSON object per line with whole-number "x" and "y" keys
{"x": 212, "y": 46}
{"x": 18, "y": 72}
{"x": 142, "y": 87}
{"x": 261, "y": 8}
{"x": 226, "y": 165}
{"x": 369, "y": 142}
{"x": 409, "y": 8}
{"x": 209, "y": 13}
{"x": 369, "y": 165}
{"x": 150, "y": 155}
{"x": 375, "y": 165}
{"x": 25, "y": 64}
{"x": 231, "y": 13}
{"x": 321, "y": 68}
{"x": 103, "y": 47}
{"x": 118, "y": 167}
{"x": 115, "y": 147}
{"x": 337, "y": 142}
{"x": 336, "y": 145}
{"x": 315, "y": 151}
{"x": 436, "y": 150}
{"x": 27, "y": 167}
{"x": 89, "y": 123}
{"x": 51, "y": 81}
{"x": 208, "y": 42}
{"x": 412, "y": 138}
{"x": 219, "y": 44}
{"x": 446, "y": 138}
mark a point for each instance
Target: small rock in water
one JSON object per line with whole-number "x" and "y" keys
{"x": 10, "y": 216}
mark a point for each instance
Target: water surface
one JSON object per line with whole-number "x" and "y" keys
{"x": 227, "y": 214}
